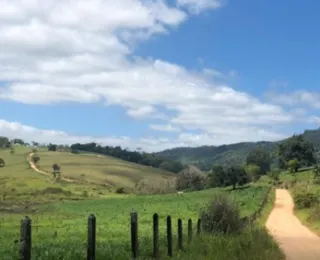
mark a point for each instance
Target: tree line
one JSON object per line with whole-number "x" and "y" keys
{"x": 291, "y": 155}
{"x": 147, "y": 159}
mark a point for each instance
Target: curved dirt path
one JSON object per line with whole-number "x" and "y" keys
{"x": 296, "y": 240}
{"x": 34, "y": 167}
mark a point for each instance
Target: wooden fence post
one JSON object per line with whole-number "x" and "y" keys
{"x": 91, "y": 251}
{"x": 179, "y": 233}
{"x": 25, "y": 239}
{"x": 134, "y": 234}
{"x": 155, "y": 235}
{"x": 189, "y": 230}
{"x": 169, "y": 236}
{"x": 199, "y": 226}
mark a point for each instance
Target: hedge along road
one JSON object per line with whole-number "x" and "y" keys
{"x": 296, "y": 240}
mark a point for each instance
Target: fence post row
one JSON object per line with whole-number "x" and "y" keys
{"x": 169, "y": 236}
{"x": 134, "y": 234}
{"x": 25, "y": 239}
{"x": 25, "y": 236}
{"x": 155, "y": 235}
{"x": 91, "y": 251}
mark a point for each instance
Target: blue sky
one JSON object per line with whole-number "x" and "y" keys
{"x": 158, "y": 74}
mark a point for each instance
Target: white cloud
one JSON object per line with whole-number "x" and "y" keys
{"x": 197, "y": 6}
{"x": 164, "y": 128}
{"x": 311, "y": 99}
{"x": 149, "y": 144}
{"x": 75, "y": 51}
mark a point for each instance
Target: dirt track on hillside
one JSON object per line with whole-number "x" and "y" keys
{"x": 296, "y": 240}
{"x": 34, "y": 167}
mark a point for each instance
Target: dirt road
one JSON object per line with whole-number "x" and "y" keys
{"x": 34, "y": 167}
{"x": 296, "y": 240}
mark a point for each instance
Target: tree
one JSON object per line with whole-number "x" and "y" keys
{"x": 316, "y": 172}
{"x": 56, "y": 170}
{"x": 217, "y": 177}
{"x": 261, "y": 158}
{"x": 296, "y": 148}
{"x": 253, "y": 171}
{"x": 4, "y": 142}
{"x": 18, "y": 141}
{"x": 52, "y": 147}
{"x": 190, "y": 178}
{"x": 293, "y": 166}
{"x": 35, "y": 158}
{"x": 2, "y": 163}
{"x": 274, "y": 174}
{"x": 236, "y": 175}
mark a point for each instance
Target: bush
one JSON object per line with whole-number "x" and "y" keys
{"x": 85, "y": 194}
{"x": 305, "y": 199}
{"x": 156, "y": 186}
{"x": 221, "y": 216}
{"x": 2, "y": 163}
{"x": 35, "y": 158}
{"x": 315, "y": 213}
{"x": 120, "y": 190}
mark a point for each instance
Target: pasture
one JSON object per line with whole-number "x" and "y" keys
{"x": 99, "y": 169}
{"x": 59, "y": 211}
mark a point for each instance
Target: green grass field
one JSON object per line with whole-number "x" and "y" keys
{"x": 59, "y": 218}
{"x": 69, "y": 219}
{"x": 20, "y": 185}
{"x": 99, "y": 169}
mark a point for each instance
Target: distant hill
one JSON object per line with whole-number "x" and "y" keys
{"x": 205, "y": 156}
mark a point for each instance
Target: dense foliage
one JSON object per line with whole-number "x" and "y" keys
{"x": 204, "y": 156}
{"x": 4, "y": 142}
{"x": 261, "y": 158}
{"x": 131, "y": 156}
{"x": 295, "y": 152}
{"x": 226, "y": 176}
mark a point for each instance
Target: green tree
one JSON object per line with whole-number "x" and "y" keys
{"x": 52, "y": 147}
{"x": 316, "y": 172}
{"x": 217, "y": 177}
{"x": 261, "y": 158}
{"x": 253, "y": 171}
{"x": 56, "y": 170}
{"x": 274, "y": 174}
{"x": 4, "y": 142}
{"x": 236, "y": 175}
{"x": 2, "y": 163}
{"x": 293, "y": 165}
{"x": 296, "y": 148}
{"x": 35, "y": 158}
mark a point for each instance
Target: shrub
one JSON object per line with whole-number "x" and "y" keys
{"x": 85, "y": 194}
{"x": 315, "y": 213}
{"x": 120, "y": 190}
{"x": 221, "y": 216}
{"x": 35, "y": 158}
{"x": 156, "y": 186}
{"x": 2, "y": 163}
{"x": 305, "y": 199}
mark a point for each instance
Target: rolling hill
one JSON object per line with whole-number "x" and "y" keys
{"x": 99, "y": 169}
{"x": 205, "y": 156}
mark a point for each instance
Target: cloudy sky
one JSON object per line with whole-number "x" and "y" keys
{"x": 157, "y": 74}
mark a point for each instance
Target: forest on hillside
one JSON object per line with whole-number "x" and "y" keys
{"x": 205, "y": 156}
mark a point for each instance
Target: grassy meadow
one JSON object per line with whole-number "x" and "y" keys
{"x": 59, "y": 211}
{"x": 99, "y": 169}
